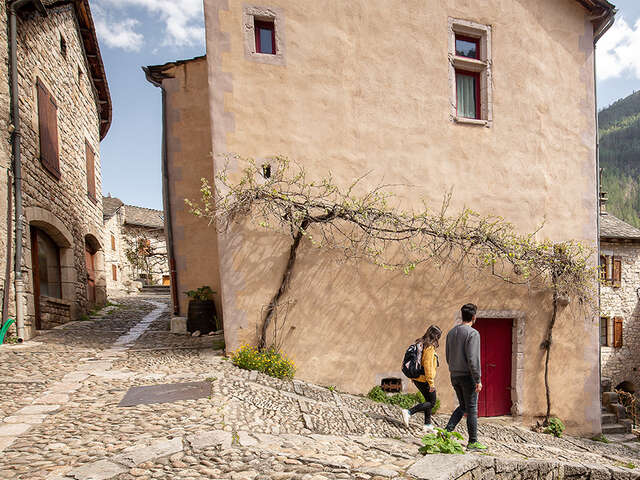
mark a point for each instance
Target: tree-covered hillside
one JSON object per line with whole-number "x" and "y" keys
{"x": 620, "y": 157}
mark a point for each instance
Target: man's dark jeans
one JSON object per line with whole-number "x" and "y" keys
{"x": 429, "y": 402}
{"x": 465, "y": 388}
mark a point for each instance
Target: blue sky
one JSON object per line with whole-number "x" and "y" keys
{"x": 133, "y": 33}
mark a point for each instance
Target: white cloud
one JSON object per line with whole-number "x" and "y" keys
{"x": 183, "y": 20}
{"x": 618, "y": 52}
{"x": 120, "y": 34}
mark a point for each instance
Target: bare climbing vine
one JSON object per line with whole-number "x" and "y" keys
{"x": 365, "y": 224}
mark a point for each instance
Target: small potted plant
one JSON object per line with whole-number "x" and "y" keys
{"x": 201, "y": 315}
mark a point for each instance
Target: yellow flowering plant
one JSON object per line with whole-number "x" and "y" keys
{"x": 270, "y": 361}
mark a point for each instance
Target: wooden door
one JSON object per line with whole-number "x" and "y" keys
{"x": 35, "y": 275}
{"x": 495, "y": 354}
{"x": 91, "y": 275}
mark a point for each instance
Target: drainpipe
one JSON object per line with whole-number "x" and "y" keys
{"x": 166, "y": 197}
{"x": 17, "y": 160}
{"x": 597, "y": 34}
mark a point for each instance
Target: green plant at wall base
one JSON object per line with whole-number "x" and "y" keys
{"x": 442, "y": 442}
{"x": 402, "y": 400}
{"x": 601, "y": 438}
{"x": 270, "y": 361}
{"x": 555, "y": 427}
{"x": 201, "y": 294}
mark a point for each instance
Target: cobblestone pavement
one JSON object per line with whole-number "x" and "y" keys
{"x": 59, "y": 397}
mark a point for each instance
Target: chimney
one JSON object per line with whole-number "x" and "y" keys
{"x": 603, "y": 202}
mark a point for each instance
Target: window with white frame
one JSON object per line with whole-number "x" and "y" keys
{"x": 470, "y": 72}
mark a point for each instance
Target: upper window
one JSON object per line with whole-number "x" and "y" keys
{"x": 265, "y": 36}
{"x": 470, "y": 71}
{"x": 467, "y": 47}
{"x": 48, "y": 126}
{"x": 604, "y": 331}
{"x": 611, "y": 270}
{"x": 63, "y": 46}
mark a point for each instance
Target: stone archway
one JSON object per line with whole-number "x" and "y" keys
{"x": 48, "y": 252}
{"x": 626, "y": 386}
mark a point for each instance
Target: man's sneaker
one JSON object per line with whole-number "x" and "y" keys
{"x": 476, "y": 446}
{"x": 427, "y": 429}
{"x": 405, "y": 417}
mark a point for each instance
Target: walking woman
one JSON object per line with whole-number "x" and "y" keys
{"x": 426, "y": 383}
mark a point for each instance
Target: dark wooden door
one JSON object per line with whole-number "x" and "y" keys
{"x": 91, "y": 275}
{"x": 35, "y": 275}
{"x": 495, "y": 353}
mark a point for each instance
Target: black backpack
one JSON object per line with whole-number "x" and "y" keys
{"x": 412, "y": 363}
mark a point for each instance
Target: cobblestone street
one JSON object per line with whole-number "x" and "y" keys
{"x": 59, "y": 397}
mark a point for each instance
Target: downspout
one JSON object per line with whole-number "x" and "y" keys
{"x": 166, "y": 196}
{"x": 17, "y": 160}
{"x": 599, "y": 32}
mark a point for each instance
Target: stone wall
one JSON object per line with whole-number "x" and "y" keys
{"x": 65, "y": 201}
{"x": 622, "y": 364}
{"x": 54, "y": 312}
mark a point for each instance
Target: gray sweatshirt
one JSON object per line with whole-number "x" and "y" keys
{"x": 463, "y": 352}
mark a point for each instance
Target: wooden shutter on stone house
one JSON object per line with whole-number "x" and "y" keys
{"x": 617, "y": 332}
{"x": 48, "y": 126}
{"x": 617, "y": 272}
{"x": 91, "y": 173}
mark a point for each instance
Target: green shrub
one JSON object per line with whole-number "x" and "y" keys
{"x": 403, "y": 400}
{"x": 271, "y": 361}
{"x": 555, "y": 427}
{"x": 601, "y": 438}
{"x": 441, "y": 442}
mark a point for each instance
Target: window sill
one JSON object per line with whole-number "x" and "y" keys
{"x": 471, "y": 121}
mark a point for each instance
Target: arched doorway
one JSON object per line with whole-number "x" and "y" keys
{"x": 626, "y": 386}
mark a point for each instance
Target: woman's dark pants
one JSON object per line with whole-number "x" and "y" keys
{"x": 429, "y": 403}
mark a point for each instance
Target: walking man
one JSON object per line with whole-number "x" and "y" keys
{"x": 463, "y": 357}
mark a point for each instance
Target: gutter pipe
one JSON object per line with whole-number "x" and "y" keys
{"x": 17, "y": 159}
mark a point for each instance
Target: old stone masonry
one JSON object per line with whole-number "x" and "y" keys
{"x": 60, "y": 397}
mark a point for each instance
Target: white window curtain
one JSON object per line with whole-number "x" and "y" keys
{"x": 466, "y": 90}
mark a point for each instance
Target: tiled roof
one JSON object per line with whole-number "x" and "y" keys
{"x": 110, "y": 206}
{"x": 144, "y": 217}
{"x": 613, "y": 228}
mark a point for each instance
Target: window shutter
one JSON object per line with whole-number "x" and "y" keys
{"x": 617, "y": 332}
{"x": 617, "y": 272}
{"x": 48, "y": 126}
{"x": 114, "y": 272}
{"x": 91, "y": 172}
{"x": 603, "y": 268}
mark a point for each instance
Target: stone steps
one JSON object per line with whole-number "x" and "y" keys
{"x": 608, "y": 419}
{"x": 615, "y": 428}
{"x": 156, "y": 290}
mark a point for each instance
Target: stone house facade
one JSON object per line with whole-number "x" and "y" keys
{"x": 427, "y": 95}
{"x": 64, "y": 112}
{"x": 620, "y": 303}
{"x": 135, "y": 247}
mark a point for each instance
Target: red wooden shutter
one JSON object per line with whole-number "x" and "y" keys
{"x": 617, "y": 332}
{"x": 617, "y": 272}
{"x": 48, "y": 125}
{"x": 91, "y": 172}
{"x": 114, "y": 272}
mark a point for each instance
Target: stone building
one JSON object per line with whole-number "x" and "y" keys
{"x": 135, "y": 247}
{"x": 620, "y": 303}
{"x": 440, "y": 96}
{"x": 54, "y": 168}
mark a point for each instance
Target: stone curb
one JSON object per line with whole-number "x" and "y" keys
{"x": 472, "y": 466}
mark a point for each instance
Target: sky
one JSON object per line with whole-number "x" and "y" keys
{"x": 136, "y": 33}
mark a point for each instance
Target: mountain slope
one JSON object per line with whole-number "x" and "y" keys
{"x": 620, "y": 157}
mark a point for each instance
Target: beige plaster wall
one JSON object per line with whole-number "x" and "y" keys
{"x": 189, "y": 159}
{"x": 363, "y": 87}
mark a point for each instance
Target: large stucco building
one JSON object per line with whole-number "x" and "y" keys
{"x": 54, "y": 171}
{"x": 493, "y": 100}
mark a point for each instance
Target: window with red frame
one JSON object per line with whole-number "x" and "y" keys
{"x": 468, "y": 83}
{"x": 265, "y": 37}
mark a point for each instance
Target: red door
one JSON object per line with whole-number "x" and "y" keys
{"x": 91, "y": 276}
{"x": 495, "y": 354}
